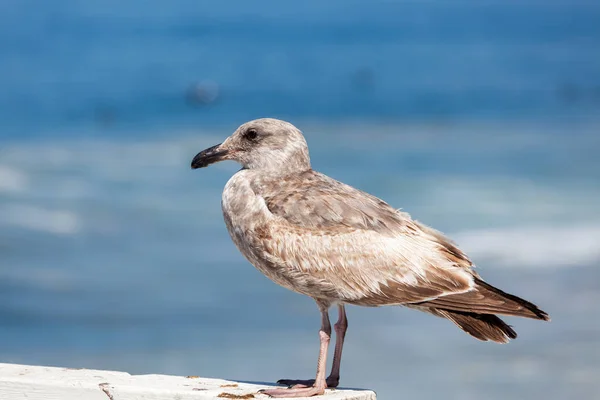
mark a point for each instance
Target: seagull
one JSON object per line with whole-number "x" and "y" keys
{"x": 341, "y": 246}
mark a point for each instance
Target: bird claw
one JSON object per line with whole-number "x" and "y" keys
{"x": 297, "y": 383}
{"x": 294, "y": 392}
{"x": 304, "y": 383}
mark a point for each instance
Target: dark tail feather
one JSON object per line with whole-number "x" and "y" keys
{"x": 481, "y": 326}
{"x": 485, "y": 300}
{"x": 528, "y": 309}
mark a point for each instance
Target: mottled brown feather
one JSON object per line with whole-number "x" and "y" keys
{"x": 490, "y": 300}
{"x": 313, "y": 200}
{"x": 481, "y": 326}
{"x": 313, "y": 205}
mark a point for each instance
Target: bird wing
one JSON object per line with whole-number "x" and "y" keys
{"x": 343, "y": 241}
{"x": 316, "y": 201}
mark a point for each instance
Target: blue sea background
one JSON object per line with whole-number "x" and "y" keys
{"x": 480, "y": 118}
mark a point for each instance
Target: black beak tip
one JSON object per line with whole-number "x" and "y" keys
{"x": 200, "y": 161}
{"x": 209, "y": 156}
{"x": 195, "y": 164}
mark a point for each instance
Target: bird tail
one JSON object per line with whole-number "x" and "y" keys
{"x": 487, "y": 299}
{"x": 481, "y": 326}
{"x": 473, "y": 311}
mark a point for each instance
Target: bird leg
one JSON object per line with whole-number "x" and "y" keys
{"x": 318, "y": 386}
{"x": 334, "y": 377}
{"x": 340, "y": 333}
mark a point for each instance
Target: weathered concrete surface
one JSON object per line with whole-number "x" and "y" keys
{"x": 50, "y": 383}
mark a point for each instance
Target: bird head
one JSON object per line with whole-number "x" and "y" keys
{"x": 266, "y": 143}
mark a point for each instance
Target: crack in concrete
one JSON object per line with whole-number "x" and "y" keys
{"x": 105, "y": 388}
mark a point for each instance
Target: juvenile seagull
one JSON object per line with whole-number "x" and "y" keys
{"x": 319, "y": 237}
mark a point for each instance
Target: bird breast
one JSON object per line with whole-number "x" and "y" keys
{"x": 247, "y": 218}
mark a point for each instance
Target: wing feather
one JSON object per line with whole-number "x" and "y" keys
{"x": 335, "y": 238}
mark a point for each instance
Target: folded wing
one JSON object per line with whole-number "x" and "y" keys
{"x": 343, "y": 243}
{"x": 356, "y": 243}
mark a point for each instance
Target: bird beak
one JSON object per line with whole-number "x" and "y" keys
{"x": 209, "y": 156}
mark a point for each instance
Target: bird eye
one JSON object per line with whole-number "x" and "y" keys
{"x": 251, "y": 134}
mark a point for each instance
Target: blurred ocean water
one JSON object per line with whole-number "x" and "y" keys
{"x": 66, "y": 64}
{"x": 478, "y": 118}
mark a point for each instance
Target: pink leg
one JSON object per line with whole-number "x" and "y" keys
{"x": 320, "y": 384}
{"x": 334, "y": 378}
{"x": 340, "y": 333}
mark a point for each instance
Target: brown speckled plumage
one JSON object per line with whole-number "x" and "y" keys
{"x": 339, "y": 245}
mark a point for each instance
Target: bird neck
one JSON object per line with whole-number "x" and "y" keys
{"x": 274, "y": 176}
{"x": 280, "y": 164}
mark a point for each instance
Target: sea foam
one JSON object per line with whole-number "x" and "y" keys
{"x": 534, "y": 247}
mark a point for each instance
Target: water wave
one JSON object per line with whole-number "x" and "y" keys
{"x": 55, "y": 221}
{"x": 533, "y": 246}
{"x": 12, "y": 179}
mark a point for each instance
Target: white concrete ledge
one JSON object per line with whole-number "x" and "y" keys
{"x": 50, "y": 383}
